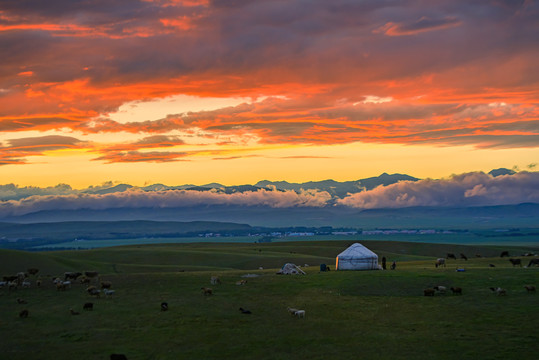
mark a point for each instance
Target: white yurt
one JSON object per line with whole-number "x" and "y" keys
{"x": 357, "y": 257}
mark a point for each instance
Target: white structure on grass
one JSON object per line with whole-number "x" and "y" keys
{"x": 357, "y": 257}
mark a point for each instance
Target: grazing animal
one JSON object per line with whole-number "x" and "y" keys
{"x": 26, "y": 284}
{"x": 499, "y": 291}
{"x": 214, "y": 280}
{"x": 516, "y": 262}
{"x": 529, "y": 288}
{"x": 440, "y": 289}
{"x": 300, "y": 313}
{"x": 478, "y": 255}
{"x": 71, "y": 275}
{"x": 23, "y": 314}
{"x": 73, "y": 312}
{"x": 491, "y": 265}
{"x": 109, "y": 292}
{"x": 21, "y": 276}
{"x": 241, "y": 282}
{"x": 33, "y": 271}
{"x": 12, "y": 285}
{"x": 451, "y": 256}
{"x": 38, "y": 282}
{"x": 504, "y": 253}
{"x": 118, "y": 357}
{"x": 439, "y": 262}
{"x": 93, "y": 291}
{"x": 61, "y": 286}
{"x": 428, "y": 292}
{"x": 164, "y": 306}
{"x": 3, "y": 283}
{"x": 21, "y": 301}
{"x": 106, "y": 284}
{"x": 244, "y": 311}
{"x": 10, "y": 278}
{"x": 92, "y": 274}
{"x": 206, "y": 291}
{"x": 84, "y": 280}
{"x": 462, "y": 256}
{"x": 456, "y": 290}
{"x": 88, "y": 306}
{"x": 291, "y": 311}
{"x": 393, "y": 265}
{"x": 533, "y": 262}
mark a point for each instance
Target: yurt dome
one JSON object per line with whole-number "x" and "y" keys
{"x": 357, "y": 257}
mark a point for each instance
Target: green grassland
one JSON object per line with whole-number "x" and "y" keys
{"x": 349, "y": 314}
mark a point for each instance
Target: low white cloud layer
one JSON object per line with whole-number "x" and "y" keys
{"x": 163, "y": 199}
{"x": 470, "y": 189}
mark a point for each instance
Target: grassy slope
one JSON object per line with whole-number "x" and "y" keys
{"x": 374, "y": 314}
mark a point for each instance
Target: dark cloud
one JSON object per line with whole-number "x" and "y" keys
{"x": 16, "y": 150}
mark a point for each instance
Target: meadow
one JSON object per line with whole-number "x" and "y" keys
{"x": 350, "y": 314}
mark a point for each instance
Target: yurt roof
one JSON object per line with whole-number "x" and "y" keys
{"x": 356, "y": 251}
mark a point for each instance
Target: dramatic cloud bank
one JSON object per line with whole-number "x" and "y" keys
{"x": 471, "y": 189}
{"x": 163, "y": 199}
{"x": 447, "y": 72}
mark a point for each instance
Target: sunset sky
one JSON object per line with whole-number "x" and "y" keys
{"x": 236, "y": 91}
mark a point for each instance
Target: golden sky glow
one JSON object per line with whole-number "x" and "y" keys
{"x": 189, "y": 91}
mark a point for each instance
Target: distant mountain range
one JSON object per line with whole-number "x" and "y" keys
{"x": 334, "y": 188}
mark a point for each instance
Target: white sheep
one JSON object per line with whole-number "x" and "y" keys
{"x": 440, "y": 289}
{"x": 3, "y": 283}
{"x": 499, "y": 291}
{"x": 214, "y": 280}
{"x": 300, "y": 313}
{"x": 26, "y": 284}
{"x": 291, "y": 311}
{"x": 109, "y": 292}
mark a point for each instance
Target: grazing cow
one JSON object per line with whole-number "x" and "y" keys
{"x": 88, "y": 306}
{"x": 491, "y": 265}
{"x": 533, "y": 262}
{"x": 439, "y": 262}
{"x": 106, "y": 284}
{"x": 462, "y": 256}
{"x": 529, "y": 288}
{"x": 244, "y": 311}
{"x": 164, "y": 306}
{"x": 93, "y": 291}
{"x": 214, "y": 280}
{"x": 456, "y": 290}
{"x": 451, "y": 256}
{"x": 23, "y": 314}
{"x": 428, "y": 292}
{"x": 206, "y": 291}
{"x": 516, "y": 262}
{"x": 504, "y": 253}
{"x": 73, "y": 312}
{"x": 71, "y": 275}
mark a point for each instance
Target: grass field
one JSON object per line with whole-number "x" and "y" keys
{"x": 349, "y": 314}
